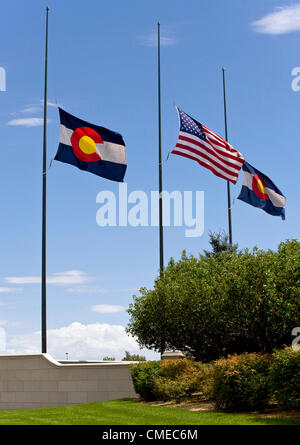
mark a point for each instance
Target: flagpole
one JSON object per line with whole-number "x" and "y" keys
{"x": 44, "y": 313}
{"x": 161, "y": 243}
{"x": 161, "y": 235}
{"x": 228, "y": 184}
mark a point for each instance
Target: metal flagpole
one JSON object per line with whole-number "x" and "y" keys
{"x": 161, "y": 237}
{"x": 44, "y": 318}
{"x": 228, "y": 184}
{"x": 161, "y": 242}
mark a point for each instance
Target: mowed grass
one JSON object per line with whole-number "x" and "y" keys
{"x": 130, "y": 412}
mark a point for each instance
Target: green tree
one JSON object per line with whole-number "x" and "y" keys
{"x": 109, "y": 359}
{"x": 133, "y": 357}
{"x": 218, "y": 305}
{"x": 220, "y": 244}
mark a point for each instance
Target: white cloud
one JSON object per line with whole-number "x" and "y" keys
{"x": 13, "y": 324}
{"x": 129, "y": 289}
{"x": 27, "y": 122}
{"x": 31, "y": 109}
{"x": 108, "y": 308}
{"x": 283, "y": 20}
{"x": 69, "y": 277}
{"x": 49, "y": 103}
{"x": 60, "y": 278}
{"x": 100, "y": 290}
{"x": 81, "y": 342}
{"x": 9, "y": 290}
{"x": 33, "y": 121}
{"x": 23, "y": 280}
{"x": 166, "y": 39}
{"x": 88, "y": 290}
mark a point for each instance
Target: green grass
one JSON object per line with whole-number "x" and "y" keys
{"x": 130, "y": 412}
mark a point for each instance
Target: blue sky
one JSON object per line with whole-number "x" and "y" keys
{"x": 103, "y": 68}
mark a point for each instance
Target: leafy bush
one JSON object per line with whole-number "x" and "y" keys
{"x": 246, "y": 382}
{"x": 169, "y": 389}
{"x": 168, "y": 379}
{"x": 241, "y": 382}
{"x": 174, "y": 368}
{"x": 224, "y": 304}
{"x": 285, "y": 378}
{"x": 180, "y": 379}
{"x": 143, "y": 376}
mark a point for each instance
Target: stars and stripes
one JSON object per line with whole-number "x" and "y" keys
{"x": 210, "y": 150}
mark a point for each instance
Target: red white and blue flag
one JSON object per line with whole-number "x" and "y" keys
{"x": 259, "y": 191}
{"x": 197, "y": 142}
{"x": 91, "y": 148}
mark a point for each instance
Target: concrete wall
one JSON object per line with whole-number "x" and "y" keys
{"x": 38, "y": 381}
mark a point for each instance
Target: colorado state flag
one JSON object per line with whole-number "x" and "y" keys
{"x": 259, "y": 191}
{"x": 91, "y": 148}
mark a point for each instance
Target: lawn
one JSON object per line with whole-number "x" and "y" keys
{"x": 130, "y": 412}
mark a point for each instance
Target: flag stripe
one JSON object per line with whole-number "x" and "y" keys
{"x": 197, "y": 142}
{"x": 222, "y": 151}
{"x": 259, "y": 191}
{"x": 108, "y": 151}
{"x": 276, "y": 199}
{"x": 221, "y": 141}
{"x": 224, "y": 146}
{"x": 106, "y": 169}
{"x": 91, "y": 148}
{"x": 231, "y": 162}
{"x": 204, "y": 153}
{"x": 228, "y": 154}
{"x": 215, "y": 136}
{"x": 73, "y": 122}
{"x": 232, "y": 177}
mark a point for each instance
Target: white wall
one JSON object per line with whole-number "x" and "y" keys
{"x": 38, "y": 381}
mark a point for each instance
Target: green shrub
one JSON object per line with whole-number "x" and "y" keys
{"x": 174, "y": 368}
{"x": 285, "y": 378}
{"x": 143, "y": 376}
{"x": 241, "y": 382}
{"x": 179, "y": 379}
{"x": 168, "y": 379}
{"x": 246, "y": 382}
{"x": 169, "y": 389}
{"x": 228, "y": 303}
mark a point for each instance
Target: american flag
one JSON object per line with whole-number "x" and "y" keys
{"x": 199, "y": 143}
